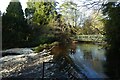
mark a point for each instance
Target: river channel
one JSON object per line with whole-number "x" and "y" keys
{"x": 87, "y": 57}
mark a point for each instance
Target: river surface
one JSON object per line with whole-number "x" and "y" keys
{"x": 88, "y": 58}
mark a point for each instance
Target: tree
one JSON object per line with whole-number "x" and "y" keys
{"x": 14, "y": 26}
{"x": 71, "y": 16}
{"x": 94, "y": 24}
{"x": 86, "y": 29}
{"x": 0, "y": 13}
{"x": 41, "y": 12}
{"x": 46, "y": 19}
{"x": 97, "y": 22}
{"x": 41, "y": 17}
{"x": 70, "y": 12}
{"x": 112, "y": 12}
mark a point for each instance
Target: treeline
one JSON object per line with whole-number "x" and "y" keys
{"x": 40, "y": 24}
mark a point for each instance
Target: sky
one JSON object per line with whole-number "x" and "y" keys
{"x": 4, "y": 4}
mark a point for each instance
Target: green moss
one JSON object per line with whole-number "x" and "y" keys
{"x": 45, "y": 46}
{"x": 39, "y": 48}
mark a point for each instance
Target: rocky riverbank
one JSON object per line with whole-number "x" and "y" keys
{"x": 28, "y": 64}
{"x": 25, "y": 65}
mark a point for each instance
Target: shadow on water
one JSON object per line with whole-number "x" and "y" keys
{"x": 113, "y": 63}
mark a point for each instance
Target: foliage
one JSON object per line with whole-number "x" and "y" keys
{"x": 97, "y": 22}
{"x": 94, "y": 24}
{"x": 39, "y": 15}
{"x": 45, "y": 16}
{"x": 0, "y": 13}
{"x": 45, "y": 46}
{"x": 70, "y": 12}
{"x": 112, "y": 12}
{"x": 14, "y": 29}
{"x": 42, "y": 24}
{"x": 41, "y": 12}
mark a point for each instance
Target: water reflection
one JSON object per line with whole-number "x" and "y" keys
{"x": 89, "y": 58}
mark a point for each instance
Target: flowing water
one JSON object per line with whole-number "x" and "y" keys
{"x": 88, "y": 58}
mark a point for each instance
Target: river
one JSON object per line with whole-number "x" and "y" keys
{"x": 88, "y": 58}
{"x": 84, "y": 60}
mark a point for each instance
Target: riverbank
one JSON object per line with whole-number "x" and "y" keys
{"x": 45, "y": 46}
{"x": 21, "y": 65}
{"x": 27, "y": 63}
{"x": 30, "y": 64}
{"x": 19, "y": 51}
{"x": 103, "y": 43}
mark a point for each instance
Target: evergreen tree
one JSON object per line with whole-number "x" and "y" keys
{"x": 14, "y": 27}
